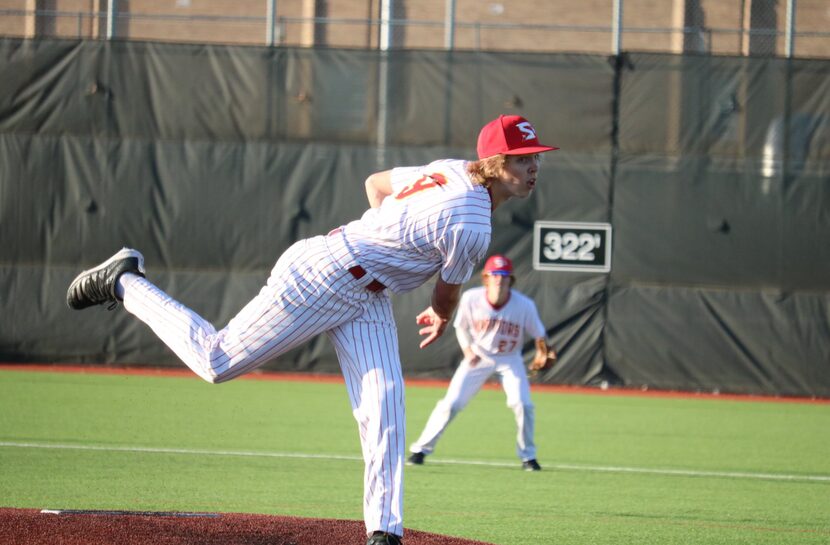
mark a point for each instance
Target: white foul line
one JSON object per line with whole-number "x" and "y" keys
{"x": 564, "y": 467}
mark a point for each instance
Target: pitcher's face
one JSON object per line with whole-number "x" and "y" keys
{"x": 520, "y": 172}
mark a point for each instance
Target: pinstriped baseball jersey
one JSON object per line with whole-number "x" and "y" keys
{"x": 436, "y": 219}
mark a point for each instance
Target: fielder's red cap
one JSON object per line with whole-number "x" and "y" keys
{"x": 498, "y": 264}
{"x": 509, "y": 135}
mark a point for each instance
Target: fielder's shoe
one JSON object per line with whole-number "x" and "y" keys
{"x": 97, "y": 285}
{"x": 531, "y": 465}
{"x": 416, "y": 459}
{"x": 382, "y": 538}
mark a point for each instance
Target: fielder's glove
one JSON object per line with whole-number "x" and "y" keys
{"x": 543, "y": 360}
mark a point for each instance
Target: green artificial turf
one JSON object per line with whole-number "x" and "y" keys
{"x": 618, "y": 469}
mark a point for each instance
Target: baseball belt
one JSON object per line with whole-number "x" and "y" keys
{"x": 359, "y": 272}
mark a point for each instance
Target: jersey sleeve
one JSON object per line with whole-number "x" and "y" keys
{"x": 533, "y": 323}
{"x": 462, "y": 315}
{"x": 461, "y": 251}
{"x": 465, "y": 339}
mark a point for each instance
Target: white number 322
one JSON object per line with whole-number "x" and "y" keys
{"x": 570, "y": 246}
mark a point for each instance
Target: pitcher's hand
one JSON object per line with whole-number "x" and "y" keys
{"x": 434, "y": 326}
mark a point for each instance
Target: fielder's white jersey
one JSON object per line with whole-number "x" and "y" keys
{"x": 435, "y": 219}
{"x": 498, "y": 333}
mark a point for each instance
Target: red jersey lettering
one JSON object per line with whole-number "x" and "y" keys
{"x": 425, "y": 182}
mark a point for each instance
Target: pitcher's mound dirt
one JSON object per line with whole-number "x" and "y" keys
{"x": 33, "y": 527}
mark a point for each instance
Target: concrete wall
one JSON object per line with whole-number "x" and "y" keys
{"x": 716, "y": 26}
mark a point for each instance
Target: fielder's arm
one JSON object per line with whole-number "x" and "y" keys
{"x": 378, "y": 187}
{"x": 465, "y": 341}
{"x": 445, "y": 298}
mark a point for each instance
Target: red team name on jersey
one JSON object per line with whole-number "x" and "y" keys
{"x": 501, "y": 327}
{"x": 425, "y": 182}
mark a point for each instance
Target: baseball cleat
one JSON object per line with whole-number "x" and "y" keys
{"x": 382, "y": 538}
{"x": 416, "y": 459}
{"x": 531, "y": 465}
{"x": 97, "y": 285}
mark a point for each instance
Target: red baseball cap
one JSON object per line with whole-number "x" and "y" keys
{"x": 509, "y": 135}
{"x": 498, "y": 264}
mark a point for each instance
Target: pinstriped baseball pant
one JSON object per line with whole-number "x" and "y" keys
{"x": 310, "y": 291}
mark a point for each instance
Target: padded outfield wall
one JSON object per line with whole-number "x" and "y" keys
{"x": 714, "y": 173}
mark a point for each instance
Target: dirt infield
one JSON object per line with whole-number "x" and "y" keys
{"x": 35, "y": 527}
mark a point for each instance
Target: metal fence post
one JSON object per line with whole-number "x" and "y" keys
{"x": 616, "y": 27}
{"x": 111, "y": 7}
{"x": 790, "y": 33}
{"x": 271, "y": 18}
{"x": 384, "y": 43}
{"x": 449, "y": 25}
{"x": 385, "y": 39}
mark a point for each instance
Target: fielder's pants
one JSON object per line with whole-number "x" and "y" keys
{"x": 310, "y": 291}
{"x": 465, "y": 383}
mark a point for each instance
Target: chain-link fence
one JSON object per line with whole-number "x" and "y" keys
{"x": 727, "y": 27}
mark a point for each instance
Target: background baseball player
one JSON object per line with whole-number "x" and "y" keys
{"x": 490, "y": 325}
{"x": 423, "y": 220}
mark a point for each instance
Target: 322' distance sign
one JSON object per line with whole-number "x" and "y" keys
{"x": 562, "y": 246}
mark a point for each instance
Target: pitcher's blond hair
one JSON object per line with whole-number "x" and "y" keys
{"x": 484, "y": 170}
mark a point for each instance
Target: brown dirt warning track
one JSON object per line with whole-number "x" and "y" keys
{"x": 40, "y": 527}
{"x": 145, "y": 370}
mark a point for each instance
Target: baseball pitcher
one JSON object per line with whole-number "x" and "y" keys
{"x": 421, "y": 221}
